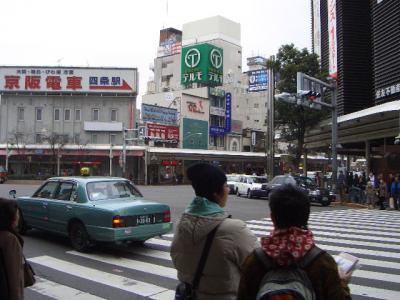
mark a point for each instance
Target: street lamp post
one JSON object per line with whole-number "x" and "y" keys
{"x": 7, "y": 155}
{"x": 111, "y": 158}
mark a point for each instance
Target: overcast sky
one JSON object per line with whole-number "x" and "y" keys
{"x": 125, "y": 33}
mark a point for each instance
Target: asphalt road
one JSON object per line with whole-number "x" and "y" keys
{"x": 178, "y": 197}
{"x": 59, "y": 268}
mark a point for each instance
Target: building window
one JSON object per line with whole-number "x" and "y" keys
{"x": 38, "y": 112}
{"x": 248, "y": 118}
{"x": 56, "y": 114}
{"x": 77, "y": 114}
{"x": 95, "y": 116}
{"x": 220, "y": 141}
{"x": 256, "y": 105}
{"x": 67, "y": 114}
{"x": 113, "y": 115}
{"x": 77, "y": 138}
{"x": 112, "y": 139}
{"x": 38, "y": 138}
{"x": 21, "y": 112}
{"x": 256, "y": 121}
{"x": 94, "y": 138}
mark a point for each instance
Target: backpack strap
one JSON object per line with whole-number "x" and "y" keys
{"x": 310, "y": 257}
{"x": 264, "y": 258}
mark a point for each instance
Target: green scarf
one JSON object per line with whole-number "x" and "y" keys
{"x": 203, "y": 207}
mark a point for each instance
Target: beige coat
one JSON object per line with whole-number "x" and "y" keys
{"x": 13, "y": 259}
{"x": 232, "y": 243}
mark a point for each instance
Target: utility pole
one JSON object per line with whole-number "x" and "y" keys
{"x": 124, "y": 140}
{"x": 271, "y": 124}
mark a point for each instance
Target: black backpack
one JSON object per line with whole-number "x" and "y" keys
{"x": 288, "y": 282}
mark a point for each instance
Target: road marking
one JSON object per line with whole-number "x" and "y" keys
{"x": 58, "y": 291}
{"x": 130, "y": 264}
{"x": 333, "y": 240}
{"x": 343, "y": 235}
{"x": 330, "y": 228}
{"x": 362, "y": 290}
{"x": 126, "y": 284}
{"x": 355, "y": 224}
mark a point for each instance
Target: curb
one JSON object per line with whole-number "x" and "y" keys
{"x": 22, "y": 181}
{"x": 349, "y": 204}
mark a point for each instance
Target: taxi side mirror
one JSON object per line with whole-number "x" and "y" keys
{"x": 12, "y": 193}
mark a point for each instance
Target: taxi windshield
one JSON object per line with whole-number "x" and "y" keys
{"x": 102, "y": 190}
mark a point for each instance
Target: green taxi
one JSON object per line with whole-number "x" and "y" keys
{"x": 93, "y": 209}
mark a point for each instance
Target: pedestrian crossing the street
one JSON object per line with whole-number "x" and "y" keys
{"x": 146, "y": 272}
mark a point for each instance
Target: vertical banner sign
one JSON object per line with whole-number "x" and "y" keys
{"x": 332, "y": 38}
{"x": 317, "y": 27}
{"x": 228, "y": 112}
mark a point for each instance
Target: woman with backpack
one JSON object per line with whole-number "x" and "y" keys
{"x": 290, "y": 252}
{"x": 205, "y": 228}
{"x": 11, "y": 257}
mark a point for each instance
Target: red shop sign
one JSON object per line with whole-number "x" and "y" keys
{"x": 166, "y": 162}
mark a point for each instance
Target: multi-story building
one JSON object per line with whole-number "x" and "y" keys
{"x": 360, "y": 40}
{"x": 341, "y": 36}
{"x": 386, "y": 49}
{"x": 64, "y": 116}
{"x": 198, "y": 103}
{"x": 247, "y": 109}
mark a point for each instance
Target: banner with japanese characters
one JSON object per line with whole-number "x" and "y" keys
{"x": 332, "y": 38}
{"x": 68, "y": 80}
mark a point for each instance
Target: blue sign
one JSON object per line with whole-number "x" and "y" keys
{"x": 228, "y": 112}
{"x": 258, "y": 80}
{"x": 215, "y": 130}
{"x": 158, "y": 114}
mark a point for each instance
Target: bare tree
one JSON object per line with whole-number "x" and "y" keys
{"x": 56, "y": 141}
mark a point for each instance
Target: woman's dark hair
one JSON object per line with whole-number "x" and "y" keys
{"x": 290, "y": 207}
{"x": 8, "y": 210}
{"x": 206, "y": 180}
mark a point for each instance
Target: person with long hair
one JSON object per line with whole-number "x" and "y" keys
{"x": 11, "y": 256}
{"x": 232, "y": 242}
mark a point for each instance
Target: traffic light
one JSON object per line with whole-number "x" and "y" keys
{"x": 308, "y": 98}
{"x": 286, "y": 97}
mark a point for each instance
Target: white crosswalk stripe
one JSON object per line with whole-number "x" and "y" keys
{"x": 147, "y": 272}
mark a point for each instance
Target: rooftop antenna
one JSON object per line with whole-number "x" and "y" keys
{"x": 59, "y": 60}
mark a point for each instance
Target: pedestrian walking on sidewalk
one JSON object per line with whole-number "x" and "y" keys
{"x": 395, "y": 191}
{"x": 231, "y": 244}
{"x": 341, "y": 185}
{"x": 370, "y": 195}
{"x": 382, "y": 194}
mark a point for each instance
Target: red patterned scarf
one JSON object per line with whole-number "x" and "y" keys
{"x": 286, "y": 246}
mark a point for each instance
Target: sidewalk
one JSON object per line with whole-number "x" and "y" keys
{"x": 349, "y": 204}
{"x": 24, "y": 182}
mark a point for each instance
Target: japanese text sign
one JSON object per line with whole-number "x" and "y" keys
{"x": 68, "y": 80}
{"x": 202, "y": 63}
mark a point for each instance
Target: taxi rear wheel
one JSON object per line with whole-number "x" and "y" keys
{"x": 79, "y": 237}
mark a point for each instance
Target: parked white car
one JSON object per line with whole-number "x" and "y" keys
{"x": 250, "y": 186}
{"x": 232, "y": 181}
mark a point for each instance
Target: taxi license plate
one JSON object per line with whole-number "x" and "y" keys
{"x": 143, "y": 220}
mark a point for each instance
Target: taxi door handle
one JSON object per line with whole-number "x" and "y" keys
{"x": 68, "y": 207}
